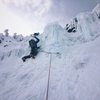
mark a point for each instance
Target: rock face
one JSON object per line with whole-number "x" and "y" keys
{"x": 72, "y": 27}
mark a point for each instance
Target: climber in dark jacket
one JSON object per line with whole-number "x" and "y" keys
{"x": 34, "y": 49}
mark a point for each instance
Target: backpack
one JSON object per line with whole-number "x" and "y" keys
{"x": 32, "y": 43}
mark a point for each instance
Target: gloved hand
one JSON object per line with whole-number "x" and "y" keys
{"x": 36, "y": 34}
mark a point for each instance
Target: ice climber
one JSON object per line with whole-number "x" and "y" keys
{"x": 34, "y": 48}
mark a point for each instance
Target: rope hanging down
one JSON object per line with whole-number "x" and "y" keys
{"x": 48, "y": 82}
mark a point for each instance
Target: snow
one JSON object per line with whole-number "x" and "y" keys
{"x": 74, "y": 73}
{"x": 97, "y": 10}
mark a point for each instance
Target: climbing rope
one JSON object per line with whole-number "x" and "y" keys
{"x": 48, "y": 82}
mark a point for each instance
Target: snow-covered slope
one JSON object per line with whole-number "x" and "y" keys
{"x": 74, "y": 71}
{"x": 86, "y": 24}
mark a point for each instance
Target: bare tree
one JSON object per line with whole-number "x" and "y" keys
{"x": 6, "y": 32}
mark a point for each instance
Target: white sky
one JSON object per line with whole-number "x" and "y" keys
{"x": 29, "y": 16}
{"x": 13, "y": 22}
{"x": 23, "y": 16}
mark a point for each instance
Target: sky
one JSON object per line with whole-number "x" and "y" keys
{"x": 29, "y": 16}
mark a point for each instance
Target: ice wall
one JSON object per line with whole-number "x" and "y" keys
{"x": 83, "y": 28}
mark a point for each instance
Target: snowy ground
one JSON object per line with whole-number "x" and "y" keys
{"x": 74, "y": 75}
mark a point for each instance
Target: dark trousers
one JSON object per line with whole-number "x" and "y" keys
{"x": 26, "y": 57}
{"x": 31, "y": 55}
